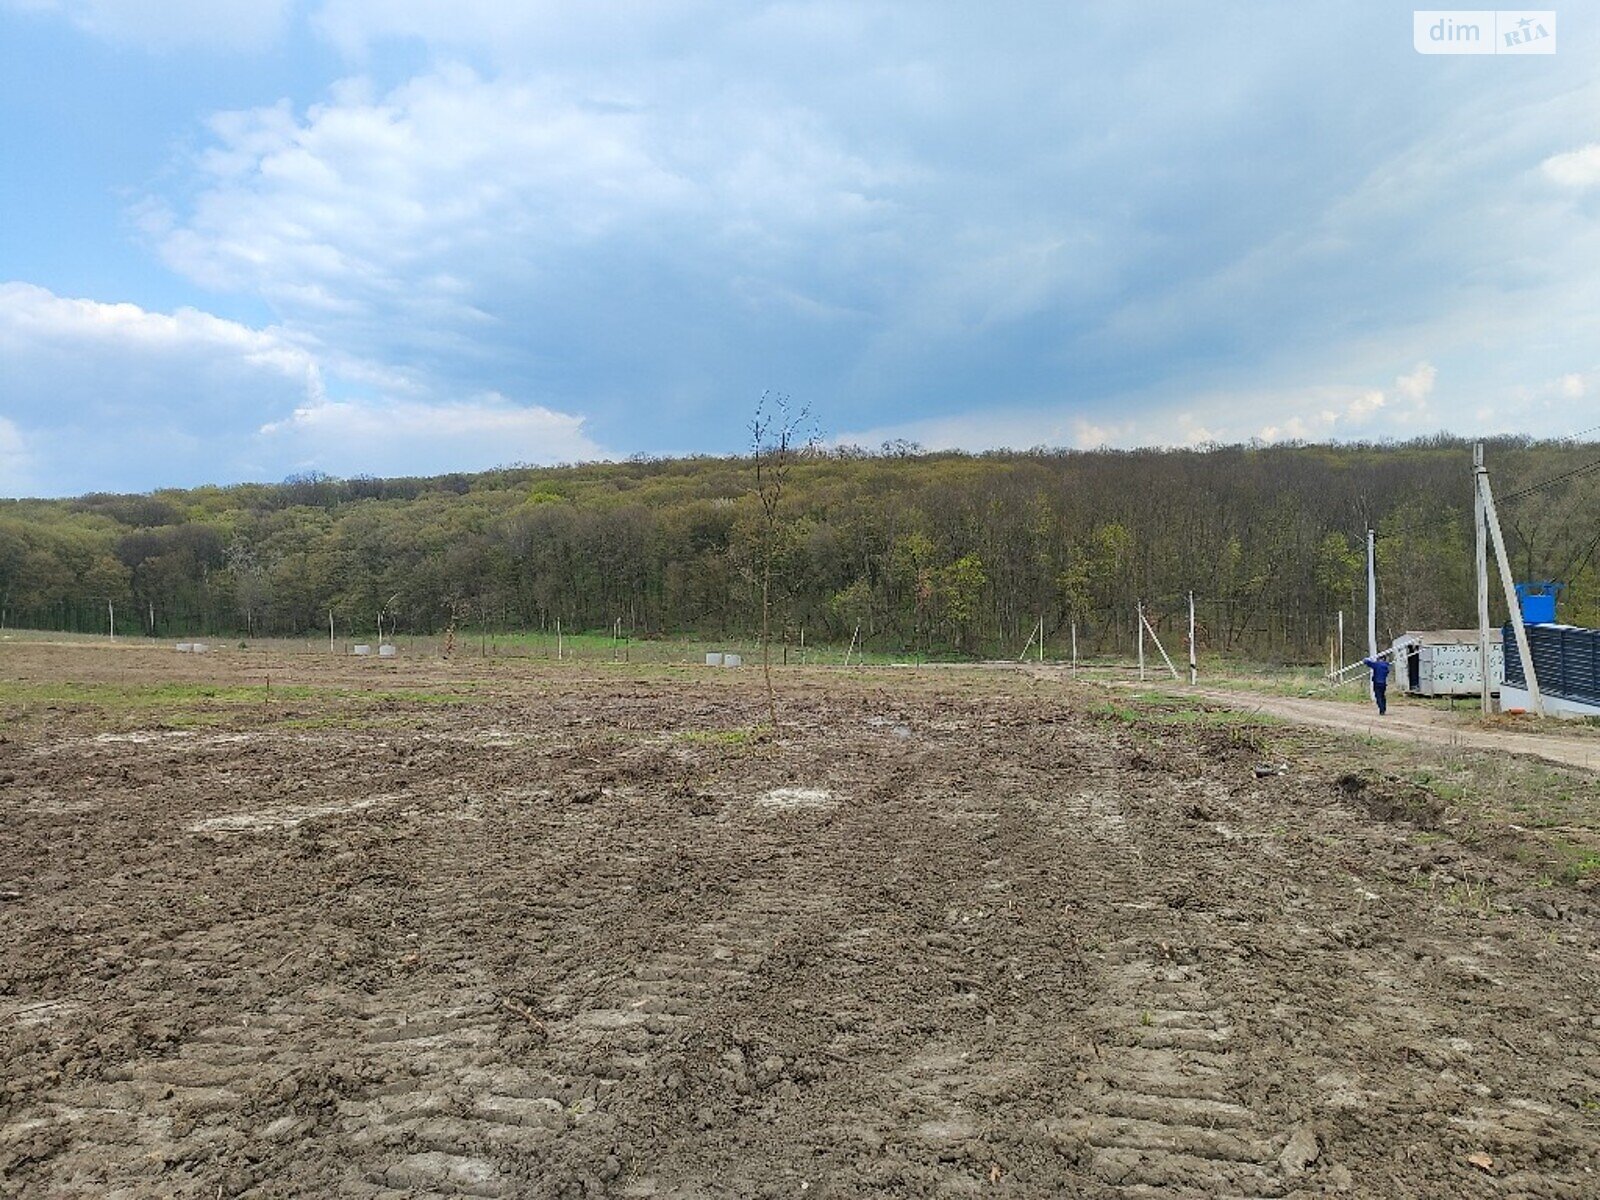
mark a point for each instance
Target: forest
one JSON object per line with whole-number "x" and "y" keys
{"x": 942, "y": 554}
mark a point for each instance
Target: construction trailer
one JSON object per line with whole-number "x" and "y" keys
{"x": 1445, "y": 662}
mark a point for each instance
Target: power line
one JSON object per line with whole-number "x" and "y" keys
{"x": 1576, "y": 472}
{"x": 1568, "y": 572}
{"x": 1452, "y": 518}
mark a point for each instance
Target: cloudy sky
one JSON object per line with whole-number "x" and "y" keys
{"x": 241, "y": 239}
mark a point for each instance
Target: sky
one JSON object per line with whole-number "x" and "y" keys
{"x": 246, "y": 239}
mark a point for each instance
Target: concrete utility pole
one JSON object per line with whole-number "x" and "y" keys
{"x": 1492, "y": 519}
{"x": 1372, "y": 601}
{"x": 1139, "y": 616}
{"x": 1479, "y": 475}
{"x": 1194, "y": 667}
{"x": 1162, "y": 650}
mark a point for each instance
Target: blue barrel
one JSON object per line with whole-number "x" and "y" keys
{"x": 1538, "y": 601}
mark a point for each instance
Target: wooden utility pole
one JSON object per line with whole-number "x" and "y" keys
{"x": 1479, "y": 477}
{"x": 1492, "y": 520}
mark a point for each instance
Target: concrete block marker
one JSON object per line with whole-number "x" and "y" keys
{"x": 732, "y": 660}
{"x": 386, "y": 651}
{"x": 361, "y": 651}
{"x": 713, "y": 660}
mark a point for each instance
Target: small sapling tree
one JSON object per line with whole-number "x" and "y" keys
{"x": 778, "y": 436}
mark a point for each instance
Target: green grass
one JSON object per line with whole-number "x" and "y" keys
{"x": 1576, "y": 862}
{"x": 1165, "y": 709}
{"x": 598, "y": 646}
{"x": 1474, "y": 897}
{"x": 1448, "y": 790}
{"x": 720, "y": 737}
{"x": 153, "y": 696}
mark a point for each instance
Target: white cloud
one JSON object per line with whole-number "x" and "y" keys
{"x": 69, "y": 355}
{"x": 410, "y": 438}
{"x": 373, "y": 200}
{"x": 1316, "y": 413}
{"x": 1571, "y": 386}
{"x": 1362, "y": 406}
{"x": 358, "y": 200}
{"x": 112, "y": 396}
{"x": 1576, "y": 168}
{"x": 1418, "y": 385}
{"x": 168, "y": 24}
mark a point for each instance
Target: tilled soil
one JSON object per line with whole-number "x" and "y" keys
{"x": 594, "y": 940}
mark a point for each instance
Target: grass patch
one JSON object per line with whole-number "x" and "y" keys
{"x": 208, "y": 704}
{"x": 165, "y": 695}
{"x": 1575, "y": 862}
{"x": 343, "y": 721}
{"x": 1166, "y": 709}
{"x": 720, "y": 737}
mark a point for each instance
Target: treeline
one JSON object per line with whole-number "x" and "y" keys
{"x": 925, "y": 553}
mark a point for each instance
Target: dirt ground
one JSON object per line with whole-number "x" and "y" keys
{"x": 1429, "y": 725}
{"x": 427, "y": 929}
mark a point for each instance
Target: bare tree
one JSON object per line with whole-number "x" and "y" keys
{"x": 777, "y": 438}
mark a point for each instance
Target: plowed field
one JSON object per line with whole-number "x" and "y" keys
{"x": 402, "y": 929}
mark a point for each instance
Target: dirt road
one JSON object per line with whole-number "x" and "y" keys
{"x": 587, "y": 937}
{"x": 1416, "y": 724}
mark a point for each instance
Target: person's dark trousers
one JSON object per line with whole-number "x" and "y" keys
{"x": 1380, "y": 693}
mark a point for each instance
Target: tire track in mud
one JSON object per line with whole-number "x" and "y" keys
{"x": 1162, "y": 1108}
{"x": 641, "y": 948}
{"x": 890, "y": 1046}
{"x": 461, "y": 1100}
{"x": 233, "y": 1092}
{"x": 228, "y": 1089}
{"x": 449, "y": 1109}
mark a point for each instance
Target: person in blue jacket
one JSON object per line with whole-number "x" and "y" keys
{"x": 1380, "y": 682}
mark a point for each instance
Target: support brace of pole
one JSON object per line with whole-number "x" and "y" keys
{"x": 1492, "y": 519}
{"x": 1157, "y": 641}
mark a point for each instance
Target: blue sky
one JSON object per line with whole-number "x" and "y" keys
{"x": 241, "y": 239}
